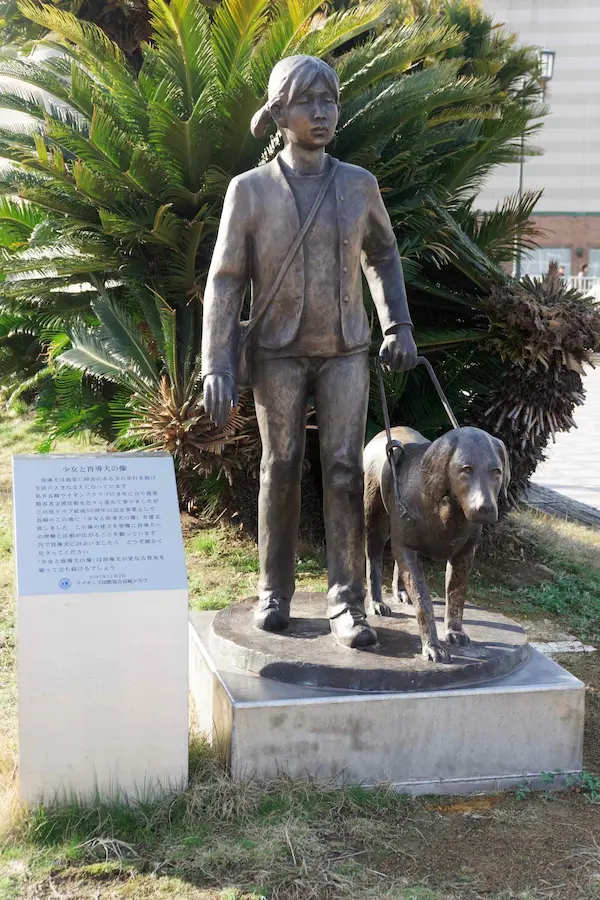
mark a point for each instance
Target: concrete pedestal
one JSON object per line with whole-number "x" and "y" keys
{"x": 103, "y": 700}
{"x": 458, "y": 740}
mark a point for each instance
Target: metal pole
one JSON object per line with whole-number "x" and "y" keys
{"x": 518, "y": 242}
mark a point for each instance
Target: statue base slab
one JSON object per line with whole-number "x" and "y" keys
{"x": 470, "y": 739}
{"x": 306, "y": 653}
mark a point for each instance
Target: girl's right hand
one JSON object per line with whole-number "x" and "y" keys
{"x": 219, "y": 395}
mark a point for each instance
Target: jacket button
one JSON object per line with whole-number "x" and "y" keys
{"x": 342, "y": 199}
{"x": 345, "y": 269}
{"x": 346, "y": 298}
{"x": 345, "y": 240}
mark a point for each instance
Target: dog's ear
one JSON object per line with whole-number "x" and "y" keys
{"x": 505, "y": 467}
{"x": 435, "y": 466}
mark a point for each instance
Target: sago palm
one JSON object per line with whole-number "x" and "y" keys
{"x": 130, "y": 168}
{"x": 30, "y": 334}
{"x": 125, "y": 21}
{"x": 160, "y": 393}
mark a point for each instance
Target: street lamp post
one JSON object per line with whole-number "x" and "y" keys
{"x": 547, "y": 65}
{"x": 547, "y": 70}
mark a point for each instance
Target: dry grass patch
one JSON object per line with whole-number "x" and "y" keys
{"x": 293, "y": 840}
{"x": 557, "y": 539}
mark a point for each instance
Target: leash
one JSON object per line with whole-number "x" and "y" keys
{"x": 421, "y": 361}
{"x": 393, "y": 445}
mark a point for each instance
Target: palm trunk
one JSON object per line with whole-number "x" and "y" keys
{"x": 127, "y": 24}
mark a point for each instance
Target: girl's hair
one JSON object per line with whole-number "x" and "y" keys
{"x": 290, "y": 77}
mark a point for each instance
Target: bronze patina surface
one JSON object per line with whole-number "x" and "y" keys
{"x": 306, "y": 654}
{"x": 308, "y": 332}
{"x": 449, "y": 491}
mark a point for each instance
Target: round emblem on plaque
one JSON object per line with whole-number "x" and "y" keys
{"x": 65, "y": 583}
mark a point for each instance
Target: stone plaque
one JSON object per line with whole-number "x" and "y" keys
{"x": 97, "y": 523}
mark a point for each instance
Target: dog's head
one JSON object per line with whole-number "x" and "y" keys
{"x": 470, "y": 467}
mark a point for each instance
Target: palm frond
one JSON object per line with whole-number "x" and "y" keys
{"x": 499, "y": 232}
{"x": 182, "y": 44}
{"x": 101, "y": 55}
{"x": 341, "y": 27}
{"x": 91, "y": 355}
{"x": 29, "y": 384}
{"x": 392, "y": 54}
{"x": 428, "y": 339}
{"x": 238, "y": 25}
{"x": 122, "y": 337}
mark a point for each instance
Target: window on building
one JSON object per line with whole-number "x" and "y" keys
{"x": 594, "y": 263}
{"x": 536, "y": 262}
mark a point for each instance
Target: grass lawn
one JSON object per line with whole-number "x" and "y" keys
{"x": 287, "y": 840}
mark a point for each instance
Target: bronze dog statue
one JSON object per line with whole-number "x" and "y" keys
{"x": 450, "y": 488}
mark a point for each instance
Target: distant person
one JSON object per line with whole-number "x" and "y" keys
{"x": 583, "y": 272}
{"x": 561, "y": 271}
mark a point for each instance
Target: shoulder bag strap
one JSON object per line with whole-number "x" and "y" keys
{"x": 264, "y": 304}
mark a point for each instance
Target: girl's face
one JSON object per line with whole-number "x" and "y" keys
{"x": 311, "y": 117}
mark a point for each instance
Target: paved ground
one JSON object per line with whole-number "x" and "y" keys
{"x": 573, "y": 464}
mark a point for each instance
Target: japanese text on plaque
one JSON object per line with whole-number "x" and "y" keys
{"x": 94, "y": 521}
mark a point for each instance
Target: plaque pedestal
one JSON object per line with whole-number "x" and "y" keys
{"x": 102, "y": 627}
{"x": 103, "y": 700}
{"x": 485, "y": 737}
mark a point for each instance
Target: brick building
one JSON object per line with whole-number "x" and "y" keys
{"x": 569, "y": 170}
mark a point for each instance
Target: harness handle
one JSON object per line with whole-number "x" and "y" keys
{"x": 393, "y": 445}
{"x": 421, "y": 361}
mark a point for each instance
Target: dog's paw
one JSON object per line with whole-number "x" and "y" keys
{"x": 402, "y": 597}
{"x": 382, "y": 609}
{"x": 377, "y": 608}
{"x": 435, "y": 653}
{"x": 458, "y": 638}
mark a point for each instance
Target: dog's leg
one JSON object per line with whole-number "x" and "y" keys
{"x": 398, "y": 590}
{"x": 458, "y": 570}
{"x": 377, "y": 532}
{"x": 411, "y": 570}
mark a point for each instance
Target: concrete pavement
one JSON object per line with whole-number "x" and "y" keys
{"x": 573, "y": 464}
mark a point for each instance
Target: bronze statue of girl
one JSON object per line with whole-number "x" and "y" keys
{"x": 311, "y": 333}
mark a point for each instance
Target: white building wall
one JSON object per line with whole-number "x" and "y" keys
{"x": 569, "y": 171}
